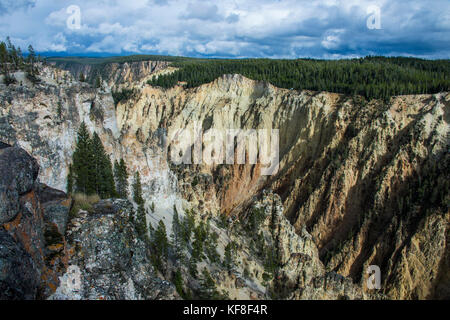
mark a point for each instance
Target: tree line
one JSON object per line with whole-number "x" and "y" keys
{"x": 12, "y": 59}
{"x": 371, "y": 77}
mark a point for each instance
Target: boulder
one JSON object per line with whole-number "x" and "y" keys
{"x": 55, "y": 207}
{"x": 18, "y": 173}
{"x": 18, "y": 275}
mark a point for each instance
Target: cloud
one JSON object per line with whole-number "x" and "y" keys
{"x": 232, "y": 28}
{"x": 7, "y": 6}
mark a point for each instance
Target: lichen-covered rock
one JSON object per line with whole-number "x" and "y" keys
{"x": 19, "y": 277}
{"x": 18, "y": 172}
{"x": 110, "y": 260}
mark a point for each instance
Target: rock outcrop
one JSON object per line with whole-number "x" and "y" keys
{"x": 41, "y": 244}
{"x": 19, "y": 172}
{"x": 115, "y": 74}
{"x": 109, "y": 259}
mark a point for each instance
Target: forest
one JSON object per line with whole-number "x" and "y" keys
{"x": 371, "y": 77}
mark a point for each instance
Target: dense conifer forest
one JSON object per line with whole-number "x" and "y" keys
{"x": 371, "y": 77}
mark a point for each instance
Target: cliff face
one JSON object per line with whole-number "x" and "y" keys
{"x": 360, "y": 183}
{"x": 44, "y": 253}
{"x": 366, "y": 179}
{"x": 115, "y": 74}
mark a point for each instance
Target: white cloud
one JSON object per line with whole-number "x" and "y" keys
{"x": 273, "y": 28}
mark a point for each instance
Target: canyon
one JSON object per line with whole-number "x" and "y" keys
{"x": 360, "y": 183}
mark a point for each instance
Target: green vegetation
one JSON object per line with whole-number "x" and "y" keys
{"x": 121, "y": 179}
{"x": 141, "y": 218}
{"x": 177, "y": 239}
{"x": 179, "y": 285}
{"x": 83, "y": 202}
{"x": 229, "y": 255}
{"x": 122, "y": 95}
{"x": 208, "y": 290}
{"x": 11, "y": 60}
{"x": 98, "y": 82}
{"x": 255, "y": 219}
{"x": 371, "y": 77}
{"x": 160, "y": 247}
{"x": 91, "y": 170}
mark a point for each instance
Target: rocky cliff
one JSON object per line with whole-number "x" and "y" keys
{"x": 115, "y": 74}
{"x": 360, "y": 182}
{"x": 367, "y": 179}
{"x": 47, "y": 253}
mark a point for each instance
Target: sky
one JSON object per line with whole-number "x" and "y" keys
{"x": 328, "y": 29}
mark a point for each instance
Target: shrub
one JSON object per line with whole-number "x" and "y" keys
{"x": 83, "y": 202}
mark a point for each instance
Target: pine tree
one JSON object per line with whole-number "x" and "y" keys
{"x": 178, "y": 282}
{"x": 228, "y": 257}
{"x": 121, "y": 178}
{"x": 98, "y": 82}
{"x": 70, "y": 181}
{"x": 160, "y": 246}
{"x": 141, "y": 217}
{"x": 137, "y": 189}
{"x": 177, "y": 236}
{"x": 109, "y": 178}
{"x": 208, "y": 288}
{"x": 82, "y": 163}
{"x": 59, "y": 110}
{"x": 82, "y": 77}
{"x": 103, "y": 175}
{"x": 31, "y": 60}
{"x": 187, "y": 226}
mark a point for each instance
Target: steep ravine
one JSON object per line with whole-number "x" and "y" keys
{"x": 369, "y": 180}
{"x": 365, "y": 182}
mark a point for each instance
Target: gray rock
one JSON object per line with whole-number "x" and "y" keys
{"x": 47, "y": 194}
{"x": 55, "y": 206}
{"x": 114, "y": 262}
{"x": 18, "y": 275}
{"x": 18, "y": 172}
{"x": 4, "y": 145}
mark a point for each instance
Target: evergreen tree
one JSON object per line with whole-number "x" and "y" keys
{"x": 208, "y": 288}
{"x": 160, "y": 246}
{"x": 109, "y": 178}
{"x": 200, "y": 235}
{"x": 102, "y": 168}
{"x": 31, "y": 60}
{"x": 228, "y": 257}
{"x": 177, "y": 236}
{"x": 178, "y": 282}
{"x": 82, "y": 163}
{"x": 137, "y": 189}
{"x": 98, "y": 82}
{"x": 70, "y": 179}
{"x": 59, "y": 110}
{"x": 141, "y": 218}
{"x": 121, "y": 178}
{"x": 187, "y": 226}
{"x": 82, "y": 77}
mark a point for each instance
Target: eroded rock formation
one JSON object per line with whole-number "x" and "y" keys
{"x": 360, "y": 182}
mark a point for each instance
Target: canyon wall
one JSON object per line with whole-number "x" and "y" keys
{"x": 366, "y": 181}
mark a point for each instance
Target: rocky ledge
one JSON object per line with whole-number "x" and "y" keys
{"x": 42, "y": 245}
